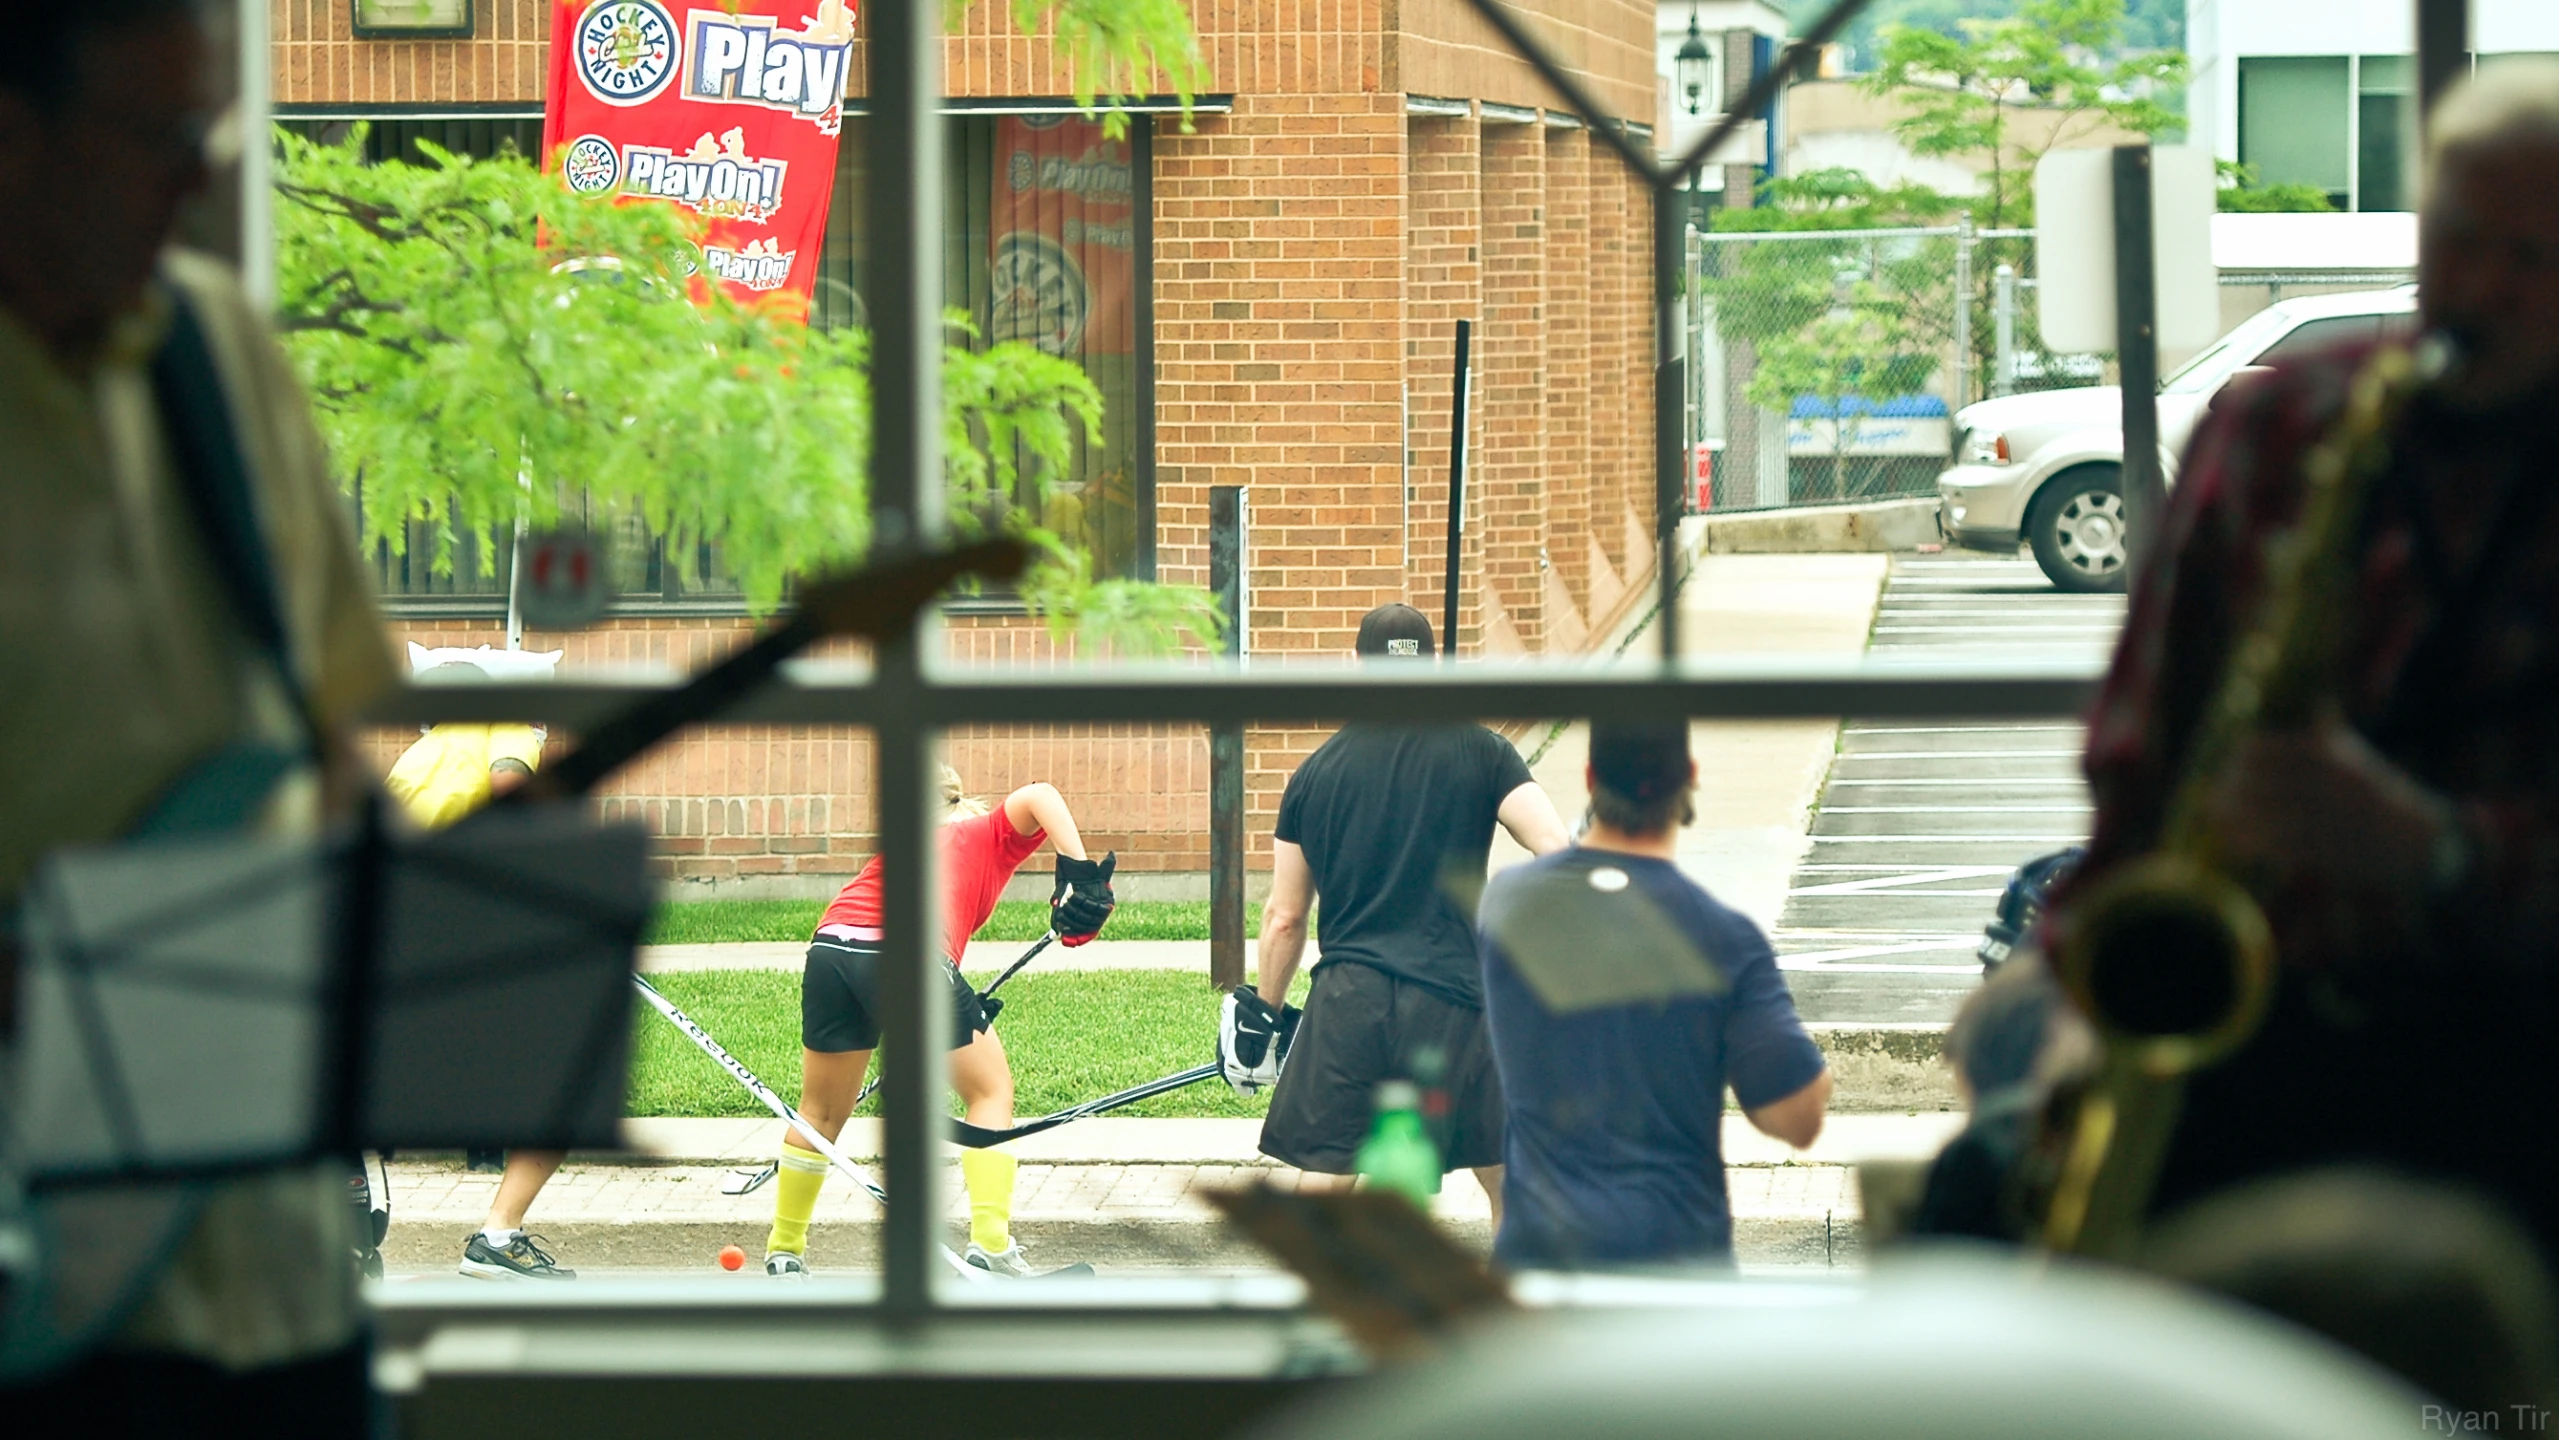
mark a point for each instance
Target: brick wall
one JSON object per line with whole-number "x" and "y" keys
{"x": 318, "y": 58}
{"x": 1442, "y": 284}
{"x": 1446, "y": 49}
{"x": 755, "y": 802}
{"x": 1621, "y": 385}
{"x": 1313, "y": 250}
{"x": 1279, "y": 366}
{"x": 1511, "y": 471}
{"x": 1569, "y": 382}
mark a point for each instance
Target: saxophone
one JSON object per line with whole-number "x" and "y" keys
{"x": 2169, "y": 956}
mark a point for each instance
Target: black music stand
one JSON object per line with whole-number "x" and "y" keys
{"x": 203, "y": 1006}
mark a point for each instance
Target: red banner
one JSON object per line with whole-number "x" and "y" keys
{"x": 731, "y": 110}
{"x": 1063, "y": 237}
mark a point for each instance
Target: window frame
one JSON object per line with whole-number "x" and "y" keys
{"x": 907, "y": 698}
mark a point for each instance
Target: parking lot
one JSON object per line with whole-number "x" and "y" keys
{"x": 1920, "y": 823}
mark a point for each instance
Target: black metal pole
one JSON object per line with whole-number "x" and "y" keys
{"x": 1226, "y": 520}
{"x": 1456, "y": 496}
{"x": 2443, "y": 51}
{"x": 902, "y": 188}
{"x": 2137, "y": 352}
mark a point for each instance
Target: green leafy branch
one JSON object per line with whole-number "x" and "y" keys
{"x": 486, "y": 347}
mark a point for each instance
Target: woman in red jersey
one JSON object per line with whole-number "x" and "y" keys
{"x": 839, "y": 1007}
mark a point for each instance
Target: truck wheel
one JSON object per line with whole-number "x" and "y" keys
{"x": 2077, "y": 528}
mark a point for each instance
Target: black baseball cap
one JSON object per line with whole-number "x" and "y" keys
{"x": 1642, "y": 760}
{"x": 1396, "y": 631}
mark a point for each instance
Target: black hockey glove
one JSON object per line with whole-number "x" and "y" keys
{"x": 1253, "y": 1040}
{"x": 1082, "y": 899}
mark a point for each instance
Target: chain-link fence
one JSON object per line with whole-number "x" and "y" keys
{"x": 1829, "y": 364}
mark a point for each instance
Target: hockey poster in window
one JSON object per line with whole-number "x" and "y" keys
{"x": 1063, "y": 237}
{"x": 732, "y": 111}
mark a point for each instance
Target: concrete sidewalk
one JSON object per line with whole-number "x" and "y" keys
{"x": 1126, "y": 1194}
{"x": 1757, "y": 780}
{"x": 658, "y": 1141}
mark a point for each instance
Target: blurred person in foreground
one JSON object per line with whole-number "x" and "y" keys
{"x": 1622, "y": 999}
{"x": 133, "y": 663}
{"x": 1391, "y": 828}
{"x": 2012, "y": 1042}
{"x": 2405, "y": 845}
{"x": 2425, "y": 1279}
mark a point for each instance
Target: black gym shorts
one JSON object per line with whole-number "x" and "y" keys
{"x": 1363, "y": 1026}
{"x": 840, "y": 998}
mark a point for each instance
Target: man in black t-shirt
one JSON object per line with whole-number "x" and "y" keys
{"x": 1392, "y": 826}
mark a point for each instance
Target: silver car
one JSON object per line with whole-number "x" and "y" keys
{"x": 2045, "y": 468}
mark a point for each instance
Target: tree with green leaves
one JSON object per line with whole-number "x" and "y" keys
{"x": 2148, "y": 24}
{"x": 1113, "y": 46}
{"x": 487, "y": 349}
{"x": 1849, "y": 321}
{"x": 1963, "y": 91}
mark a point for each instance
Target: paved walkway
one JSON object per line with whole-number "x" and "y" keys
{"x": 1845, "y": 1140}
{"x": 1129, "y": 1193}
{"x": 442, "y": 1196}
{"x": 1124, "y": 1198}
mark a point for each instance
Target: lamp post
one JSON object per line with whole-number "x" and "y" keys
{"x": 1693, "y": 66}
{"x": 1694, "y": 63}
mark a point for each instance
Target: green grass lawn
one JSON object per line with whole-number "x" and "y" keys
{"x": 705, "y": 922}
{"x": 1072, "y": 1035}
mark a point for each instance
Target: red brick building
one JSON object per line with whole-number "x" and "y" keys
{"x": 1366, "y": 173}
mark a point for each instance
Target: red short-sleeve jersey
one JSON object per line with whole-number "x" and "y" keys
{"x": 978, "y": 855}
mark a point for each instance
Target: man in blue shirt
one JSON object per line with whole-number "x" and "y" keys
{"x": 1621, "y": 999}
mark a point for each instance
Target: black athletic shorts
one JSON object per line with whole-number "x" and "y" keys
{"x": 1363, "y": 1026}
{"x": 840, "y": 998}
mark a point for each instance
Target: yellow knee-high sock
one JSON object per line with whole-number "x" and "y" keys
{"x": 990, "y": 1180}
{"x": 795, "y": 1188}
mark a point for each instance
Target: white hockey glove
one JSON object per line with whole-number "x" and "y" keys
{"x": 1252, "y": 1040}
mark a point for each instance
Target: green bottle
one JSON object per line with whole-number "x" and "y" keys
{"x": 1398, "y": 1154}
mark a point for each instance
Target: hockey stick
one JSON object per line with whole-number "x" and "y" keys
{"x": 978, "y": 1137}
{"x": 776, "y": 1104}
{"x": 1009, "y": 972}
{"x": 1015, "y": 968}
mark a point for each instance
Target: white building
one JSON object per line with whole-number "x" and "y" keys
{"x": 2320, "y": 92}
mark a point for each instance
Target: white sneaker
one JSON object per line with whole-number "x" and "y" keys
{"x": 1008, "y": 1262}
{"x": 783, "y": 1265}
